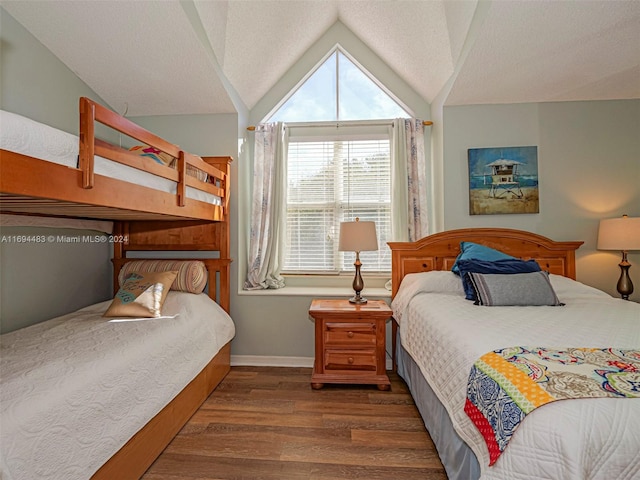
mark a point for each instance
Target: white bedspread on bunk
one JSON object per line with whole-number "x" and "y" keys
{"x": 25, "y": 136}
{"x": 445, "y": 334}
{"x": 76, "y": 388}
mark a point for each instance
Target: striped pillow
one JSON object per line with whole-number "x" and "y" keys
{"x": 516, "y": 289}
{"x": 192, "y": 274}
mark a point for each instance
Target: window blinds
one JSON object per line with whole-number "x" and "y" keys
{"x": 330, "y": 181}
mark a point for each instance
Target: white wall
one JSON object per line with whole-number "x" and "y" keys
{"x": 588, "y": 168}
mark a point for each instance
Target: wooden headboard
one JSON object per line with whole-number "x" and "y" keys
{"x": 439, "y": 251}
{"x": 159, "y": 236}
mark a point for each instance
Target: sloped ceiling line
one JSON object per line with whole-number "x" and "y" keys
{"x": 149, "y": 55}
{"x": 193, "y": 15}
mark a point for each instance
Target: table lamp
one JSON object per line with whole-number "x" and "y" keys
{"x": 358, "y": 237}
{"x": 622, "y": 234}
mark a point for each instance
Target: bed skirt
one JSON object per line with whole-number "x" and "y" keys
{"x": 458, "y": 459}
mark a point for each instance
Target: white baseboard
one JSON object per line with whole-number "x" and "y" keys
{"x": 270, "y": 361}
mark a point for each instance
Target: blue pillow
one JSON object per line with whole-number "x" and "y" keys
{"x": 504, "y": 267}
{"x": 470, "y": 250}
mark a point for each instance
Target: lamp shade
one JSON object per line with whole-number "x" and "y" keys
{"x": 358, "y": 236}
{"x": 621, "y": 233}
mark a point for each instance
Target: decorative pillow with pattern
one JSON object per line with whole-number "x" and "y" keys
{"x": 154, "y": 154}
{"x": 166, "y": 159}
{"x": 141, "y": 295}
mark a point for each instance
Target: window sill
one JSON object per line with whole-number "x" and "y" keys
{"x": 319, "y": 292}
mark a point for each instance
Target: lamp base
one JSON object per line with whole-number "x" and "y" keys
{"x": 358, "y": 284}
{"x": 624, "y": 286}
{"x": 358, "y": 300}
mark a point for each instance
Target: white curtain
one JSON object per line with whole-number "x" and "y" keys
{"x": 409, "y": 221}
{"x": 266, "y": 242}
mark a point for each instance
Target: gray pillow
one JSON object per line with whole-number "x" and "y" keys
{"x": 521, "y": 289}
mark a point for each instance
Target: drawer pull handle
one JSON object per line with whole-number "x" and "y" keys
{"x": 350, "y": 360}
{"x": 350, "y": 334}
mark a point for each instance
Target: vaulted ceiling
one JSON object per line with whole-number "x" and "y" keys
{"x": 201, "y": 56}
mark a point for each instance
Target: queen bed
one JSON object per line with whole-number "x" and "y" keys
{"x": 442, "y": 336}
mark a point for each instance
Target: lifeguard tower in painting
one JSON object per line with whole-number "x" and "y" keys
{"x": 504, "y": 178}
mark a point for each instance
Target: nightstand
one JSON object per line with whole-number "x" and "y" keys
{"x": 350, "y": 342}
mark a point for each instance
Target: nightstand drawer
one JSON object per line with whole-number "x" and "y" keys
{"x": 351, "y": 334}
{"x": 350, "y": 359}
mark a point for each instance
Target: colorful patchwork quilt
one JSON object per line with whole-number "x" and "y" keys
{"x": 506, "y": 384}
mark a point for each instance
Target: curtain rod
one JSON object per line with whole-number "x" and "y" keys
{"x": 426, "y": 123}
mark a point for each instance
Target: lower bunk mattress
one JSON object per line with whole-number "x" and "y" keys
{"x": 76, "y": 388}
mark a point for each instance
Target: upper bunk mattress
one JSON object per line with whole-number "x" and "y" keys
{"x": 25, "y": 136}
{"x": 76, "y": 388}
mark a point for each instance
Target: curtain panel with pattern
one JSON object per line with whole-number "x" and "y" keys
{"x": 410, "y": 209}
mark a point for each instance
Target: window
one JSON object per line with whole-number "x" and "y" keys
{"x": 338, "y": 89}
{"x": 331, "y": 180}
{"x": 337, "y": 172}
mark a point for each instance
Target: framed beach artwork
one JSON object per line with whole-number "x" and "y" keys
{"x": 503, "y": 180}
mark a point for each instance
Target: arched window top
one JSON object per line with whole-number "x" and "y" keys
{"x": 338, "y": 89}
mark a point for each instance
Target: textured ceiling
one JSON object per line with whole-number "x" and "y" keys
{"x": 553, "y": 51}
{"x": 176, "y": 57}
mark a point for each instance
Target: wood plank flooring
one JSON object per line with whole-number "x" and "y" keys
{"x": 267, "y": 423}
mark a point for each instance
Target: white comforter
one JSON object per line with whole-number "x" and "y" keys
{"x": 568, "y": 440}
{"x": 76, "y": 388}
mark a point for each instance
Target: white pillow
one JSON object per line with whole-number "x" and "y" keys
{"x": 566, "y": 287}
{"x": 435, "y": 281}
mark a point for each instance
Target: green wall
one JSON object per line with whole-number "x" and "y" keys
{"x": 43, "y": 280}
{"x": 588, "y": 169}
{"x": 39, "y": 281}
{"x": 34, "y": 83}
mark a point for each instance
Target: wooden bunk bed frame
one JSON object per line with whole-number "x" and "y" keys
{"x": 33, "y": 186}
{"x": 148, "y": 220}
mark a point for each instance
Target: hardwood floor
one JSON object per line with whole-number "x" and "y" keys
{"x": 267, "y": 423}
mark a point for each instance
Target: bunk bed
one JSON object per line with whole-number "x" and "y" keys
{"x": 443, "y": 340}
{"x": 185, "y": 207}
{"x": 49, "y": 172}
